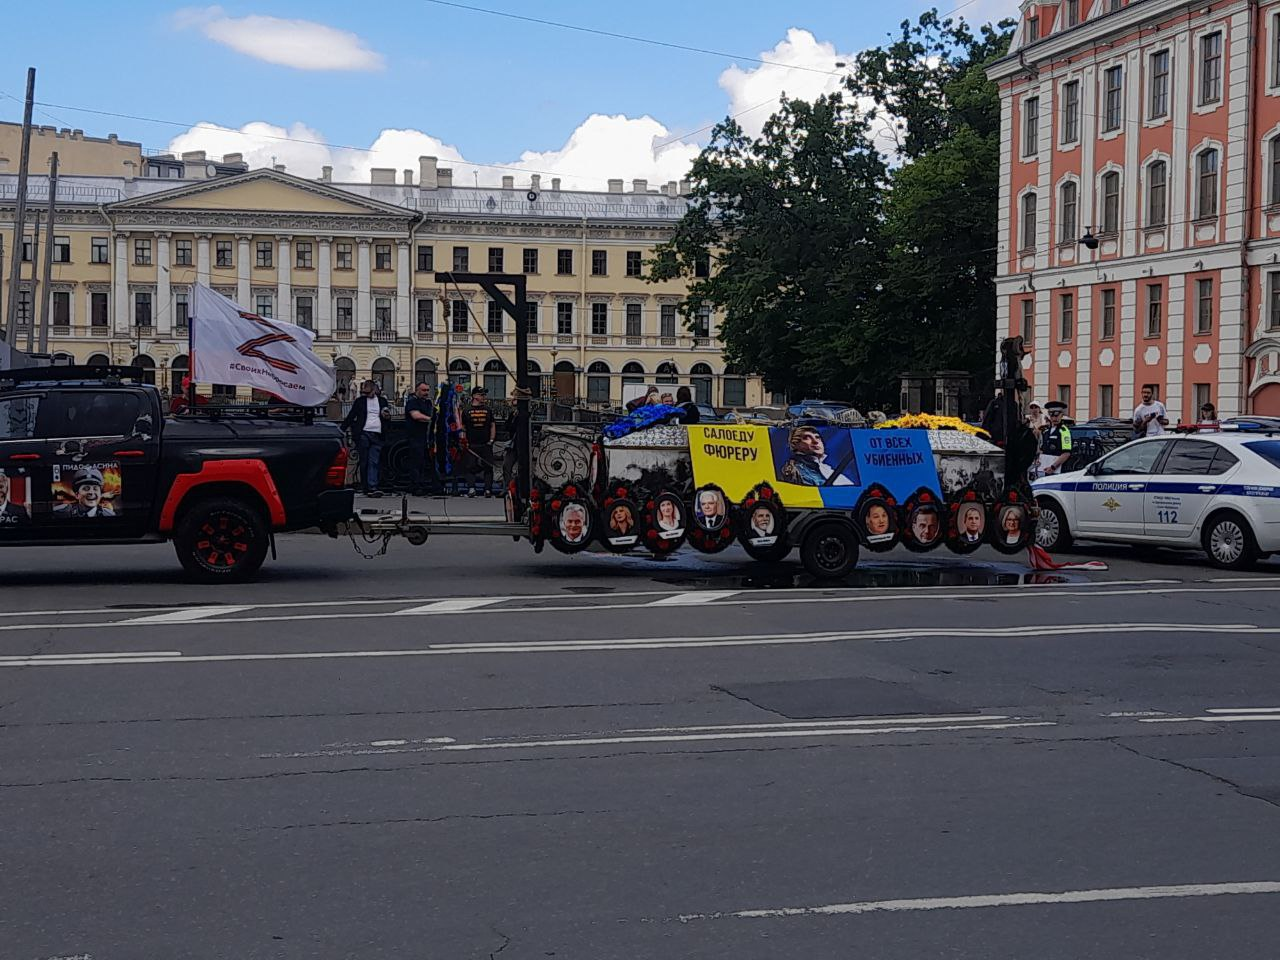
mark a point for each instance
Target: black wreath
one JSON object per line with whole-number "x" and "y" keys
{"x": 877, "y": 496}
{"x": 1012, "y": 499}
{"x": 956, "y": 541}
{"x": 922, "y": 499}
{"x": 706, "y": 539}
{"x": 761, "y": 496}
{"x": 571, "y": 494}
{"x": 654, "y": 538}
{"x": 618, "y": 493}
{"x": 537, "y": 517}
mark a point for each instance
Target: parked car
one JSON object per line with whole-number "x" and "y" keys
{"x": 1219, "y": 491}
{"x": 818, "y": 409}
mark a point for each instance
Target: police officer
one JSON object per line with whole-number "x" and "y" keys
{"x": 1055, "y": 439}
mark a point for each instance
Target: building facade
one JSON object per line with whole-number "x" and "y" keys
{"x": 1149, "y": 130}
{"x": 356, "y": 263}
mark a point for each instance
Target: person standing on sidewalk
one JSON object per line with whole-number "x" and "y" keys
{"x": 365, "y": 420}
{"x": 481, "y": 429}
{"x": 418, "y": 411}
{"x": 1149, "y": 417}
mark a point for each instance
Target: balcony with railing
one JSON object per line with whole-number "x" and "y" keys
{"x": 383, "y": 335}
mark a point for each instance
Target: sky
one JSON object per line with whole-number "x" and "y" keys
{"x": 356, "y": 87}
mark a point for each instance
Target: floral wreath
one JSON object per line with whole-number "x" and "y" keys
{"x": 924, "y": 497}
{"x": 955, "y": 539}
{"x": 618, "y": 493}
{"x": 537, "y": 516}
{"x": 1013, "y": 497}
{"x": 712, "y": 541}
{"x": 878, "y": 494}
{"x": 658, "y": 541}
{"x": 570, "y": 495}
{"x": 761, "y": 495}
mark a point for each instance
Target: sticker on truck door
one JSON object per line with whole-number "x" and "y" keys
{"x": 15, "y": 498}
{"x": 86, "y": 490}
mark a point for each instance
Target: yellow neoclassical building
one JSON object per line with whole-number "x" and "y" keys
{"x": 356, "y": 263}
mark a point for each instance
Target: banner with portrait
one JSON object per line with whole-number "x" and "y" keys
{"x": 86, "y": 490}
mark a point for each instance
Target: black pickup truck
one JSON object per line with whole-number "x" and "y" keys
{"x": 87, "y": 456}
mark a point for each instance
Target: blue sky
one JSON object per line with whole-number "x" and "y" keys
{"x": 460, "y": 84}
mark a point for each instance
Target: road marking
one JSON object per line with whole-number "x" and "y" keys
{"x": 1001, "y": 900}
{"x": 1127, "y": 714}
{"x": 690, "y": 599}
{"x": 1219, "y": 718}
{"x": 1235, "y": 710}
{"x": 861, "y": 721}
{"x": 187, "y": 615}
{"x": 68, "y": 659}
{"x": 459, "y": 605}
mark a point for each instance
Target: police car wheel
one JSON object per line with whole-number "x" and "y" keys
{"x": 830, "y": 550}
{"x": 221, "y": 540}
{"x": 1229, "y": 542}
{"x": 1051, "y": 527}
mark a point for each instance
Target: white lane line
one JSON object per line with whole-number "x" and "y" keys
{"x": 458, "y": 605}
{"x": 860, "y": 722}
{"x": 70, "y": 658}
{"x": 1034, "y": 632}
{"x": 691, "y": 599}
{"x": 186, "y": 615}
{"x": 1001, "y": 900}
{"x": 1220, "y": 718}
{"x": 1235, "y": 710}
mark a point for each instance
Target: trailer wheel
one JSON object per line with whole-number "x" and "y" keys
{"x": 830, "y": 549}
{"x": 221, "y": 540}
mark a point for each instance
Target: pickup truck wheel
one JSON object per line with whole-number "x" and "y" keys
{"x": 221, "y": 540}
{"x": 1229, "y": 542}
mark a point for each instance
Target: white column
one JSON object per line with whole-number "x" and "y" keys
{"x": 1179, "y": 176}
{"x": 284, "y": 294}
{"x": 364, "y": 311}
{"x": 1130, "y": 231}
{"x": 120, "y": 285}
{"x": 324, "y": 294}
{"x": 87, "y": 312}
{"x": 403, "y": 328}
{"x": 243, "y": 292}
{"x": 1084, "y": 340}
{"x": 202, "y": 258}
{"x": 1127, "y": 399}
{"x": 1174, "y": 346}
{"x": 164, "y": 306}
{"x": 1231, "y": 336}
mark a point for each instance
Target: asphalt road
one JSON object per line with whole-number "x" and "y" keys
{"x": 467, "y": 751}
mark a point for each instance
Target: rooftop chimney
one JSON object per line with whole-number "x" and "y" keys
{"x": 508, "y": 183}
{"x": 444, "y": 176}
{"x": 382, "y": 175}
{"x": 193, "y": 155}
{"x": 278, "y": 168}
{"x": 671, "y": 188}
{"x": 233, "y": 158}
{"x": 639, "y": 186}
{"x": 615, "y": 186}
{"x": 326, "y": 174}
{"x": 535, "y": 182}
{"x": 427, "y": 173}
{"x": 555, "y": 184}
{"x": 4, "y": 164}
{"x": 130, "y": 170}
{"x": 408, "y": 178}
{"x": 112, "y": 138}
{"x": 685, "y": 187}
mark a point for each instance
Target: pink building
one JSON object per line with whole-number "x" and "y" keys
{"x": 1152, "y": 127}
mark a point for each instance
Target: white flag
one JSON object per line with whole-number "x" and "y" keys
{"x": 233, "y": 346}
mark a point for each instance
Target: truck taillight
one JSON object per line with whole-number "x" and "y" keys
{"x": 336, "y": 475}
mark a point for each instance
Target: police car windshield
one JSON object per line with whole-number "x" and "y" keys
{"x": 1269, "y": 450}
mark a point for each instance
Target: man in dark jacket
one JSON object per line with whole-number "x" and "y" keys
{"x": 418, "y": 413}
{"x": 365, "y": 421}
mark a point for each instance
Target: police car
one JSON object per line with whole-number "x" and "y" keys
{"x": 1216, "y": 490}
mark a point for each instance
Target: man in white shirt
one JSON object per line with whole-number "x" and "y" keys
{"x": 1149, "y": 417}
{"x": 365, "y": 421}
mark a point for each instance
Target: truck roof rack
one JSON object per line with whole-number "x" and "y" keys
{"x": 107, "y": 373}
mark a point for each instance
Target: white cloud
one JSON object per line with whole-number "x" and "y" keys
{"x": 747, "y": 89}
{"x": 301, "y": 44}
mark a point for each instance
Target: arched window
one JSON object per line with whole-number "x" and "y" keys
{"x": 1157, "y": 194}
{"x": 424, "y": 371}
{"x": 700, "y": 377}
{"x": 98, "y": 360}
{"x": 1068, "y": 213}
{"x": 1207, "y": 184}
{"x": 632, "y": 374}
{"x": 178, "y": 370}
{"x": 148, "y": 367}
{"x": 61, "y": 359}
{"x": 565, "y": 376}
{"x": 1029, "y": 222}
{"x": 598, "y": 382}
{"x": 1110, "y": 202}
{"x": 384, "y": 375}
{"x": 460, "y": 373}
{"x": 667, "y": 372}
{"x": 495, "y": 379}
{"x": 535, "y": 378}
{"x": 344, "y": 370}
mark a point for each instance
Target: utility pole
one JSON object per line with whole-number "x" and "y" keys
{"x": 48, "y": 254}
{"x": 35, "y": 280}
{"x": 20, "y": 214}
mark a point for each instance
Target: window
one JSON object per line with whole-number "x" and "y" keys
{"x": 530, "y": 258}
{"x": 1066, "y": 316}
{"x": 302, "y": 258}
{"x": 1028, "y": 321}
{"x": 1033, "y": 28}
{"x": 495, "y": 378}
{"x": 1071, "y": 111}
{"x": 702, "y": 323}
{"x": 99, "y": 304}
{"x": 1113, "y": 6}
{"x": 564, "y": 318}
{"x": 426, "y": 312}
{"x": 702, "y": 266}
{"x": 1191, "y": 456}
{"x": 1135, "y": 458}
{"x": 142, "y": 252}
{"x": 599, "y": 319}
{"x": 1069, "y": 229}
{"x": 495, "y": 317}
{"x": 1204, "y": 306}
{"x": 598, "y": 382}
{"x": 28, "y": 250}
{"x": 1159, "y": 92}
{"x": 564, "y": 262}
{"x": 1110, "y": 202}
{"x": 61, "y": 308}
{"x": 1031, "y": 126}
{"x": 1108, "y": 330}
{"x": 1112, "y": 98}
{"x": 531, "y": 317}
{"x": 181, "y": 308}
{"x": 426, "y": 258}
{"x": 343, "y": 314}
{"x": 1275, "y": 165}
{"x": 635, "y": 263}
{"x": 18, "y": 418}
{"x": 382, "y": 314}
{"x": 1200, "y": 394}
{"x": 182, "y": 253}
{"x": 495, "y": 260}
{"x": 1064, "y": 394}
{"x": 264, "y": 305}
{"x": 460, "y": 317}
{"x": 667, "y": 320}
{"x": 735, "y": 391}
{"x": 599, "y": 263}
{"x": 634, "y": 320}
{"x": 1207, "y": 184}
{"x": 1273, "y": 301}
{"x": 61, "y": 249}
{"x": 1155, "y": 306}
{"x": 1267, "y": 449}
{"x": 304, "y": 312}
{"x": 1028, "y": 222}
{"x": 142, "y": 309}
{"x": 26, "y": 308}
{"x": 1157, "y": 193}
{"x": 265, "y": 256}
{"x": 461, "y": 259}
{"x": 344, "y": 256}
{"x": 1210, "y": 68}
{"x": 98, "y": 250}
{"x": 1071, "y": 13}
{"x": 1106, "y": 400}
{"x": 382, "y": 256}
{"x": 222, "y": 253}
